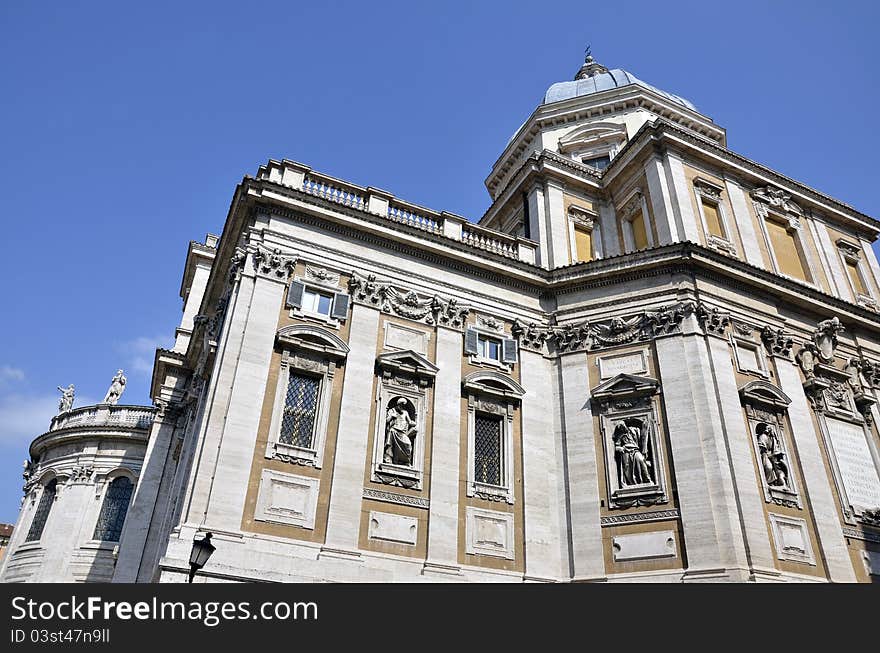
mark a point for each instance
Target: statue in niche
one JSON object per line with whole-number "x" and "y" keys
{"x": 772, "y": 456}
{"x": 400, "y": 432}
{"x": 66, "y": 401}
{"x": 632, "y": 450}
{"x": 117, "y": 387}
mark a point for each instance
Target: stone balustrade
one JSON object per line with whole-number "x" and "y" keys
{"x": 135, "y": 417}
{"x": 384, "y": 204}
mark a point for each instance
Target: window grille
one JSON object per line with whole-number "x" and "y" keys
{"x": 300, "y": 407}
{"x": 487, "y": 450}
{"x": 42, "y": 512}
{"x": 113, "y": 510}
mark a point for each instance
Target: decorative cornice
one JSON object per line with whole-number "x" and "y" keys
{"x": 590, "y": 336}
{"x": 393, "y": 497}
{"x": 407, "y": 303}
{"x": 776, "y": 198}
{"x": 634, "y": 518}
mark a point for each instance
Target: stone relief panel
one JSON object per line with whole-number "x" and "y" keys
{"x": 792, "y": 539}
{"x": 393, "y": 528}
{"x": 643, "y": 546}
{"x": 629, "y": 363}
{"x": 287, "y": 499}
{"x": 489, "y": 533}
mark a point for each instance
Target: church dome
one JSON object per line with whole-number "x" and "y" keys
{"x": 595, "y": 78}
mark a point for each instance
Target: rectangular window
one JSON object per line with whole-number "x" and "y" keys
{"x": 317, "y": 302}
{"x": 583, "y": 240}
{"x": 713, "y": 218}
{"x": 598, "y": 162}
{"x": 639, "y": 232}
{"x": 852, "y": 268}
{"x": 300, "y": 409}
{"x": 488, "y": 455}
{"x": 785, "y": 249}
{"x": 490, "y": 348}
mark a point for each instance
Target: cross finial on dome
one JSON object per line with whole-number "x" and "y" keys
{"x": 590, "y": 67}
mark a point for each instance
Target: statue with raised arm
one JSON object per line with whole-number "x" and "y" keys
{"x": 117, "y": 387}
{"x": 66, "y": 401}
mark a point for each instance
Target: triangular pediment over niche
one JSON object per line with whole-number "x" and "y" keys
{"x": 763, "y": 393}
{"x": 625, "y": 385}
{"x": 406, "y": 362}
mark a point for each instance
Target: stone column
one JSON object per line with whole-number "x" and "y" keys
{"x": 222, "y": 472}
{"x": 557, "y": 225}
{"x": 682, "y": 207}
{"x": 579, "y": 445}
{"x": 744, "y": 224}
{"x": 538, "y": 224}
{"x": 346, "y": 493}
{"x": 140, "y": 517}
{"x": 818, "y": 492}
{"x": 611, "y": 245}
{"x": 745, "y": 481}
{"x": 540, "y": 479}
{"x": 446, "y": 475}
{"x": 707, "y": 502}
{"x": 661, "y": 204}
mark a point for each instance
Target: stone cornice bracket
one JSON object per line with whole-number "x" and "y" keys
{"x": 668, "y": 319}
{"x": 713, "y": 320}
{"x": 273, "y": 264}
{"x": 777, "y": 342}
{"x": 582, "y": 216}
{"x": 449, "y": 313}
{"x": 633, "y": 204}
{"x": 236, "y": 264}
{"x": 366, "y": 290}
{"x": 531, "y": 337}
{"x": 776, "y": 198}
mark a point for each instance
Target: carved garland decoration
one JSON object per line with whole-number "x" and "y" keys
{"x": 409, "y": 304}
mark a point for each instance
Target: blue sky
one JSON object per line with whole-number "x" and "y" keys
{"x": 124, "y": 128}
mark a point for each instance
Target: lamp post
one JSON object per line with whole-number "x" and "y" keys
{"x": 201, "y": 551}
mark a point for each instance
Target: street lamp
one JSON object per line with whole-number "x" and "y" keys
{"x": 201, "y": 551}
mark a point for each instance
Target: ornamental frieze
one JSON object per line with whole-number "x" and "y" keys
{"x": 601, "y": 334}
{"x": 409, "y": 304}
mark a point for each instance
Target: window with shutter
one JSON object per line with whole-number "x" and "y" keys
{"x": 295, "y": 294}
{"x": 471, "y": 341}
{"x": 509, "y": 350}
{"x": 340, "y": 306}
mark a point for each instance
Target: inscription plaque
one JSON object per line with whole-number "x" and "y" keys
{"x": 857, "y": 469}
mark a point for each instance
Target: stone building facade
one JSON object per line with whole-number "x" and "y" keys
{"x": 652, "y": 359}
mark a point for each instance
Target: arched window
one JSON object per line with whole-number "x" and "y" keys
{"x": 112, "y": 517}
{"x": 42, "y": 512}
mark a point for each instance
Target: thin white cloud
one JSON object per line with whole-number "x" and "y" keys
{"x": 140, "y": 352}
{"x": 9, "y": 375}
{"x": 24, "y": 417}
